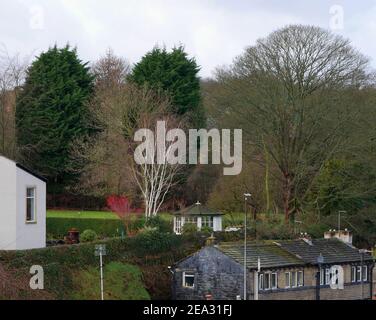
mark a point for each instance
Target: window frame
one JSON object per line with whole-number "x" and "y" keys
{"x": 359, "y": 273}
{"x": 188, "y": 274}
{"x": 288, "y": 283}
{"x": 322, "y": 276}
{"x": 294, "y": 279}
{"x": 33, "y": 217}
{"x": 207, "y": 221}
{"x": 328, "y": 276}
{"x": 267, "y": 281}
{"x": 261, "y": 281}
{"x": 300, "y": 284}
{"x": 353, "y": 274}
{"x": 275, "y": 274}
{"x": 365, "y": 273}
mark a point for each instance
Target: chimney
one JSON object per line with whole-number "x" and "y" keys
{"x": 343, "y": 235}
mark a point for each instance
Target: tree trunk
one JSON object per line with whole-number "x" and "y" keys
{"x": 287, "y": 196}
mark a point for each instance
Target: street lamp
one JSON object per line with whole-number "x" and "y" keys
{"x": 246, "y": 196}
{"x": 320, "y": 261}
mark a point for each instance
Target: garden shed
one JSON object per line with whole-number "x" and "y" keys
{"x": 199, "y": 215}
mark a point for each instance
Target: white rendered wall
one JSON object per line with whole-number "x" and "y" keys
{"x": 217, "y": 223}
{"x": 7, "y": 204}
{"x": 30, "y": 235}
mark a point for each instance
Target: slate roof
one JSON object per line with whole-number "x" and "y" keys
{"x": 23, "y": 168}
{"x": 198, "y": 210}
{"x": 270, "y": 254}
{"x": 333, "y": 251}
{"x": 290, "y": 253}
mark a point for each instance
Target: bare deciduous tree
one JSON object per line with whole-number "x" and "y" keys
{"x": 108, "y": 160}
{"x": 294, "y": 94}
{"x": 156, "y": 176}
{"x": 12, "y": 74}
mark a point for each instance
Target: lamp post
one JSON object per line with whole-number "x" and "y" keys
{"x": 246, "y": 196}
{"x": 320, "y": 261}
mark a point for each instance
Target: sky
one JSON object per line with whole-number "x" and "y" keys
{"x": 212, "y": 31}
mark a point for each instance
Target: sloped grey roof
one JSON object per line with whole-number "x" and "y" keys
{"x": 333, "y": 251}
{"x": 198, "y": 210}
{"x": 270, "y": 254}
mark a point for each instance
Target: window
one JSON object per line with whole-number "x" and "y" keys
{"x": 188, "y": 280}
{"x": 274, "y": 281}
{"x": 178, "y": 225}
{"x": 267, "y": 281}
{"x": 322, "y": 277}
{"x": 358, "y": 273}
{"x": 353, "y": 274}
{"x": 293, "y": 279}
{"x": 327, "y": 276}
{"x": 365, "y": 273}
{"x": 207, "y": 222}
{"x": 30, "y": 204}
{"x": 261, "y": 282}
{"x": 300, "y": 279}
{"x": 287, "y": 279}
{"x": 192, "y": 220}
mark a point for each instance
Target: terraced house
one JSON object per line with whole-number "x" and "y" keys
{"x": 303, "y": 269}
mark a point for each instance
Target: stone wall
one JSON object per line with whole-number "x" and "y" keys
{"x": 221, "y": 277}
{"x": 215, "y": 274}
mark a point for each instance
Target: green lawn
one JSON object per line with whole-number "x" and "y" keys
{"x": 81, "y": 214}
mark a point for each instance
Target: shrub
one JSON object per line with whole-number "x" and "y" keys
{"x": 189, "y": 228}
{"x": 207, "y": 230}
{"x": 152, "y": 241}
{"x": 159, "y": 223}
{"x": 88, "y": 236}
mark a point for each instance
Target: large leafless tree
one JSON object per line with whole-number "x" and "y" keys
{"x": 12, "y": 74}
{"x": 295, "y": 94}
{"x": 106, "y": 163}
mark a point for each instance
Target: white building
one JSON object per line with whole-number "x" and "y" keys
{"x": 199, "y": 215}
{"x": 22, "y": 207}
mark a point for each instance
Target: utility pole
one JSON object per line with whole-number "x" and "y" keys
{"x": 100, "y": 250}
{"x": 256, "y": 279}
{"x": 246, "y": 196}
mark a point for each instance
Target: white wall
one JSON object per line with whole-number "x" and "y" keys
{"x": 30, "y": 235}
{"x": 217, "y": 223}
{"x": 8, "y": 191}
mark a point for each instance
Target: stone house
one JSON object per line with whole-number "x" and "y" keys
{"x": 280, "y": 270}
{"x": 198, "y": 215}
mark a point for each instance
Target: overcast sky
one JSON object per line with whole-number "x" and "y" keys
{"x": 213, "y": 31}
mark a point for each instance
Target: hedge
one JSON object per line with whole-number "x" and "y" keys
{"x": 57, "y": 228}
{"x": 62, "y": 264}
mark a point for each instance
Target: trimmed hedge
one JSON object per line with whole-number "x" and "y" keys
{"x": 62, "y": 264}
{"x": 57, "y": 228}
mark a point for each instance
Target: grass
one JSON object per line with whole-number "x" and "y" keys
{"x": 81, "y": 214}
{"x": 105, "y": 224}
{"x": 122, "y": 282}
